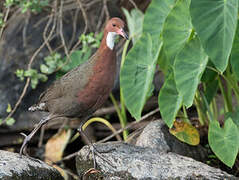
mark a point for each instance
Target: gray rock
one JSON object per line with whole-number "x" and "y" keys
{"x": 12, "y": 166}
{"x": 156, "y": 135}
{"x": 134, "y": 162}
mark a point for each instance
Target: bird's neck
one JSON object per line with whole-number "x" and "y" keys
{"x": 108, "y": 40}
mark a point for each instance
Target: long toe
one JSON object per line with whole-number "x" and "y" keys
{"x": 24, "y": 145}
{"x": 94, "y": 152}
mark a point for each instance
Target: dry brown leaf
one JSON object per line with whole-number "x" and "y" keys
{"x": 55, "y": 146}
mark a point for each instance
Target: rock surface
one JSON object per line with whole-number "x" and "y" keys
{"x": 134, "y": 162}
{"x": 12, "y": 166}
{"x": 156, "y": 135}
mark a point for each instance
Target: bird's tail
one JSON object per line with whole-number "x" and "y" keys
{"x": 37, "y": 107}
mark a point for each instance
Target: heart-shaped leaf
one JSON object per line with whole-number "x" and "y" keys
{"x": 177, "y": 29}
{"x": 215, "y": 22}
{"x": 189, "y": 65}
{"x": 169, "y": 100}
{"x": 137, "y": 73}
{"x": 185, "y": 132}
{"x": 235, "y": 54}
{"x": 135, "y": 23}
{"x": 224, "y": 142}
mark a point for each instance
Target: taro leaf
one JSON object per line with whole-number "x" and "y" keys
{"x": 169, "y": 100}
{"x": 234, "y": 116}
{"x": 163, "y": 62}
{"x": 209, "y": 74}
{"x": 137, "y": 75}
{"x": 224, "y": 142}
{"x": 177, "y": 29}
{"x": 215, "y": 22}
{"x": 154, "y": 19}
{"x": 235, "y": 54}
{"x": 135, "y": 23}
{"x": 77, "y": 58}
{"x": 155, "y": 16}
{"x": 189, "y": 65}
{"x": 211, "y": 90}
{"x": 185, "y": 132}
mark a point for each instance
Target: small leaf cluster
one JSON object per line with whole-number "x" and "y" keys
{"x": 25, "y": 5}
{"x": 33, "y": 74}
{"x": 54, "y": 61}
{"x": 10, "y": 121}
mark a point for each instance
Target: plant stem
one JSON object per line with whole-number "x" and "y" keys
{"x": 201, "y": 116}
{"x": 214, "y": 107}
{"x": 226, "y": 102}
{"x": 123, "y": 121}
{"x": 185, "y": 114}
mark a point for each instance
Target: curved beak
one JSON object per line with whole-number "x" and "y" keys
{"x": 123, "y": 33}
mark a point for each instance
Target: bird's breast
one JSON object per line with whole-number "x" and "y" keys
{"x": 100, "y": 83}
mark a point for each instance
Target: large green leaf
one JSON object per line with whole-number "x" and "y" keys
{"x": 135, "y": 23}
{"x": 188, "y": 68}
{"x": 177, "y": 29}
{"x": 234, "y": 116}
{"x": 137, "y": 71}
{"x": 224, "y": 142}
{"x": 154, "y": 19}
{"x": 169, "y": 100}
{"x": 235, "y": 54}
{"x": 155, "y": 16}
{"x": 137, "y": 75}
{"x": 215, "y": 22}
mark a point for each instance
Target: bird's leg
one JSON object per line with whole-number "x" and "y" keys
{"x": 29, "y": 137}
{"x": 88, "y": 141}
{"x": 92, "y": 147}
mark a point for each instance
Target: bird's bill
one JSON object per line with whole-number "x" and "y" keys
{"x": 123, "y": 33}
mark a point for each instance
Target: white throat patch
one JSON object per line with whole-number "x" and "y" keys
{"x": 110, "y": 39}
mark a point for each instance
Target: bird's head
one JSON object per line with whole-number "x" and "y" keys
{"x": 114, "y": 27}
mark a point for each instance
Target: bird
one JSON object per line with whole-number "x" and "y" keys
{"x": 84, "y": 89}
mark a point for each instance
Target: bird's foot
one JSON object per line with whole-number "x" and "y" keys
{"x": 24, "y": 144}
{"x": 94, "y": 152}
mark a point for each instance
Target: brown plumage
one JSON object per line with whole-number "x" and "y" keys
{"x": 85, "y": 88}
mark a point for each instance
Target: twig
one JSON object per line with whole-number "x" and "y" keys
{"x": 24, "y": 31}
{"x": 106, "y": 10}
{"x": 98, "y": 26}
{"x": 84, "y": 16}
{"x": 86, "y": 24}
{"x": 133, "y": 3}
{"x": 70, "y": 156}
{"x": 28, "y": 79}
{"x": 130, "y": 125}
{"x": 4, "y": 21}
{"x": 74, "y": 24}
{"x": 63, "y": 39}
{"x": 45, "y": 31}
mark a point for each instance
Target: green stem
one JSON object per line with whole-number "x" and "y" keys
{"x": 210, "y": 115}
{"x": 185, "y": 114}
{"x": 123, "y": 121}
{"x": 226, "y": 102}
{"x": 229, "y": 89}
{"x": 201, "y": 115}
{"x": 215, "y": 110}
{"x": 231, "y": 81}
